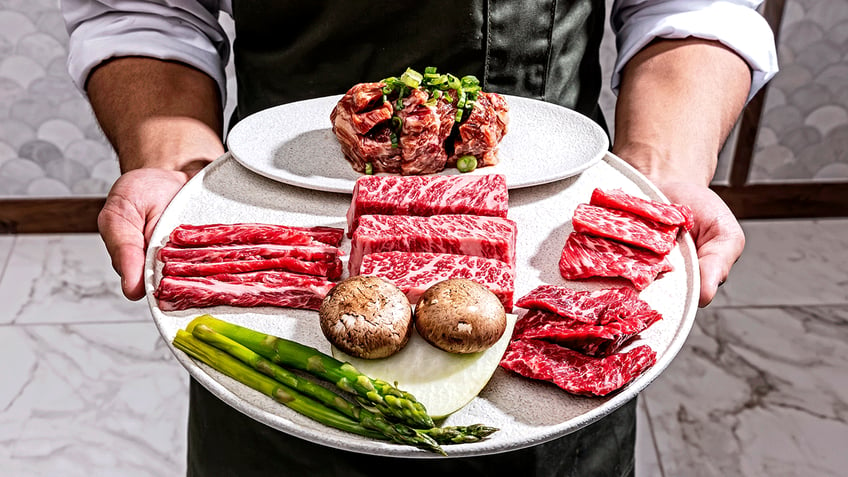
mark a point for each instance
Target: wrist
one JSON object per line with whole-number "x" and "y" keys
{"x": 667, "y": 165}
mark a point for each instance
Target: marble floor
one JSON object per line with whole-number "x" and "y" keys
{"x": 760, "y": 388}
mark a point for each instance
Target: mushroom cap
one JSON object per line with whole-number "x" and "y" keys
{"x": 367, "y": 317}
{"x": 460, "y": 316}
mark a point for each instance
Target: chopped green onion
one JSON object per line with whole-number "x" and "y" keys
{"x": 369, "y": 168}
{"x": 453, "y": 82}
{"x": 394, "y": 138}
{"x": 397, "y": 123}
{"x": 466, "y": 163}
{"x": 458, "y": 116}
{"x": 411, "y": 78}
{"x": 430, "y": 70}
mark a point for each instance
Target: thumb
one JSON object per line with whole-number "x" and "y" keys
{"x": 124, "y": 241}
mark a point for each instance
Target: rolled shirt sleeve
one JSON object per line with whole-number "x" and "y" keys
{"x": 187, "y": 32}
{"x": 735, "y": 23}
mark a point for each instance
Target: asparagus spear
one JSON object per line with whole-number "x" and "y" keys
{"x": 396, "y": 432}
{"x": 285, "y": 395}
{"x": 383, "y": 396}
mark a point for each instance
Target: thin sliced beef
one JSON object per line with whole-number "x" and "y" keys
{"x": 669, "y": 214}
{"x": 624, "y": 227}
{"x": 249, "y": 233}
{"x": 232, "y": 253}
{"x": 279, "y": 289}
{"x": 589, "y": 339}
{"x": 415, "y": 272}
{"x": 585, "y": 256}
{"x": 481, "y": 133}
{"x": 428, "y": 195}
{"x": 574, "y": 372}
{"x": 596, "y": 307}
{"x": 489, "y": 237}
{"x": 331, "y": 270}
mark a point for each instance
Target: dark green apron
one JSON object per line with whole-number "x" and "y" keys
{"x": 287, "y": 51}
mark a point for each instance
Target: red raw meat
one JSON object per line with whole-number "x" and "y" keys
{"x": 489, "y": 237}
{"x": 254, "y": 234}
{"x": 624, "y": 227}
{"x": 596, "y": 307}
{"x": 592, "y": 340}
{"x": 232, "y": 253}
{"x": 481, "y": 133}
{"x": 331, "y": 270}
{"x": 279, "y": 289}
{"x": 422, "y": 134}
{"x": 669, "y": 214}
{"x": 414, "y": 272}
{"x": 585, "y": 256}
{"x": 574, "y": 372}
{"x": 428, "y": 195}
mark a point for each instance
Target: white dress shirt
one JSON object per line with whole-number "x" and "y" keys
{"x": 189, "y": 32}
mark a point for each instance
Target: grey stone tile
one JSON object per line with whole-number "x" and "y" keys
{"x": 82, "y": 400}
{"x": 756, "y": 392}
{"x": 791, "y": 262}
{"x": 64, "y": 279}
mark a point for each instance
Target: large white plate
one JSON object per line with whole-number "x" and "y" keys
{"x": 294, "y": 144}
{"x": 527, "y": 412}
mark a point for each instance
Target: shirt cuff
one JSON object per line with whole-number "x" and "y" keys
{"x": 739, "y": 27}
{"x": 116, "y": 35}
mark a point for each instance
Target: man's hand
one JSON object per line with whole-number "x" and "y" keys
{"x": 718, "y": 236}
{"x": 678, "y": 102}
{"x": 164, "y": 120}
{"x": 132, "y": 209}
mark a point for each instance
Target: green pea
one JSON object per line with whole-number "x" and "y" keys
{"x": 466, "y": 163}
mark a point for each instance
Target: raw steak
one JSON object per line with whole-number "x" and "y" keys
{"x": 595, "y": 307}
{"x": 592, "y": 340}
{"x": 243, "y": 290}
{"x": 428, "y": 195}
{"x": 661, "y": 213}
{"x": 331, "y": 270}
{"x": 585, "y": 256}
{"x": 232, "y": 253}
{"x": 624, "y": 227}
{"x": 255, "y": 234}
{"x": 574, "y": 372}
{"x": 489, "y": 237}
{"x": 415, "y": 272}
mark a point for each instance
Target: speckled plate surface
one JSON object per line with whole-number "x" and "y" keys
{"x": 527, "y": 412}
{"x": 294, "y": 144}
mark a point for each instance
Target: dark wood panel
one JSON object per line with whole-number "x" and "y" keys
{"x": 62, "y": 215}
{"x": 785, "y": 201}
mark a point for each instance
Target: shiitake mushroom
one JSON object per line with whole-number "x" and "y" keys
{"x": 366, "y": 317}
{"x": 460, "y": 316}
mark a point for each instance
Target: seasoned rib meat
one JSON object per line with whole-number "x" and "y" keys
{"x": 481, "y": 133}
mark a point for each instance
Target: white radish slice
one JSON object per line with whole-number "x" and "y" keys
{"x": 444, "y": 382}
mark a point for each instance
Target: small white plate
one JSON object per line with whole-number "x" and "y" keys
{"x": 294, "y": 143}
{"x": 527, "y": 412}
